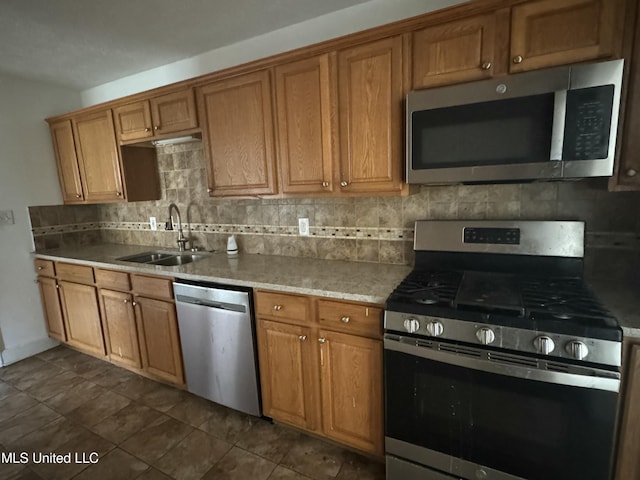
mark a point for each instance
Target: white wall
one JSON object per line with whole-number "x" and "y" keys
{"x": 27, "y": 177}
{"x": 332, "y": 25}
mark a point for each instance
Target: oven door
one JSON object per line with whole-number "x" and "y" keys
{"x": 459, "y": 410}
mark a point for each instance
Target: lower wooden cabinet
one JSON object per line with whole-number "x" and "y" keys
{"x": 327, "y": 380}
{"x": 120, "y": 330}
{"x": 628, "y": 460}
{"x": 82, "y": 317}
{"x": 51, "y": 306}
{"x": 159, "y": 340}
{"x": 286, "y": 356}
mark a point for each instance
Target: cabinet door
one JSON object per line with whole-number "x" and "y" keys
{"x": 51, "y": 307}
{"x": 68, "y": 169}
{"x": 352, "y": 409}
{"x": 306, "y": 114}
{"x": 546, "y": 33}
{"x": 370, "y": 103}
{"x": 121, "y": 335}
{"x": 238, "y": 135}
{"x": 455, "y": 52}
{"x": 159, "y": 340}
{"x": 628, "y": 461}
{"x": 98, "y": 157}
{"x": 174, "y": 112}
{"x": 288, "y": 374}
{"x": 82, "y": 317}
{"x": 133, "y": 121}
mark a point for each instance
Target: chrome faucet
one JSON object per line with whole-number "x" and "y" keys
{"x": 169, "y": 226}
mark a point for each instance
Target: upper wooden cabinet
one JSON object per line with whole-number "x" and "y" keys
{"x": 67, "y": 161}
{"x": 238, "y": 135}
{"x": 459, "y": 51}
{"x": 371, "y": 92}
{"x": 98, "y": 157}
{"x": 159, "y": 116}
{"x": 306, "y": 123}
{"x": 547, "y": 33}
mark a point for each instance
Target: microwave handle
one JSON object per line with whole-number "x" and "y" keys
{"x": 557, "y": 130}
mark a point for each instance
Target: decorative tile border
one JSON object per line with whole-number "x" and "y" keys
{"x": 365, "y": 233}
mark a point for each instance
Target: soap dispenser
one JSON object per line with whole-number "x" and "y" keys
{"x": 232, "y": 246}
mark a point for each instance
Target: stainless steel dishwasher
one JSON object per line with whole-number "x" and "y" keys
{"x": 218, "y": 344}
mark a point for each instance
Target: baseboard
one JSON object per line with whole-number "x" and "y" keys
{"x": 20, "y": 352}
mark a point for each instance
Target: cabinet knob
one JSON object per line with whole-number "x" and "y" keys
{"x": 322, "y": 340}
{"x": 40, "y": 267}
{"x": 343, "y": 183}
{"x": 156, "y": 127}
{"x": 147, "y": 129}
{"x": 134, "y": 303}
{"x": 78, "y": 195}
{"x": 209, "y": 190}
{"x": 487, "y": 65}
{"x": 118, "y": 194}
{"x": 518, "y": 59}
{"x": 631, "y": 172}
{"x": 302, "y": 338}
{"x": 277, "y": 308}
{"x": 325, "y": 184}
{"x": 57, "y": 286}
{"x": 126, "y": 300}
{"x": 345, "y": 319}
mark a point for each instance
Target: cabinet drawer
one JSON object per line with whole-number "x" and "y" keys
{"x": 152, "y": 286}
{"x": 349, "y": 317}
{"x": 44, "y": 267}
{"x": 74, "y": 273}
{"x": 112, "y": 279}
{"x": 282, "y": 306}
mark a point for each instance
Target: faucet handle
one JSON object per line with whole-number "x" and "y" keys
{"x": 168, "y": 225}
{"x": 182, "y": 242}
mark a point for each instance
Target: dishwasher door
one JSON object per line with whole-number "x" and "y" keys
{"x": 218, "y": 346}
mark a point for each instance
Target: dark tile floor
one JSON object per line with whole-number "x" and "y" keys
{"x": 65, "y": 402}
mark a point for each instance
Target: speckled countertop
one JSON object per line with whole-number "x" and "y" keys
{"x": 361, "y": 282}
{"x": 622, "y": 298}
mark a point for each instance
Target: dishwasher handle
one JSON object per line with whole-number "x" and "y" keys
{"x": 211, "y": 304}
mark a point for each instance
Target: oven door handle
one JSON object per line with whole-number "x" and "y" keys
{"x": 493, "y": 366}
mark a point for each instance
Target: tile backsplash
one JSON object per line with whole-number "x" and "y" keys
{"x": 373, "y": 229}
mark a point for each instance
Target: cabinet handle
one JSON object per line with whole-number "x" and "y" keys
{"x": 518, "y": 59}
{"x": 147, "y": 129}
{"x": 631, "y": 172}
{"x": 487, "y": 65}
{"x": 118, "y": 194}
{"x": 325, "y": 184}
{"x": 156, "y": 127}
{"x": 277, "y": 308}
{"x": 322, "y": 340}
{"x": 78, "y": 195}
{"x": 345, "y": 319}
{"x": 343, "y": 183}
{"x": 302, "y": 338}
{"x": 57, "y": 286}
{"x": 126, "y": 300}
{"x": 209, "y": 190}
{"x": 134, "y": 303}
{"x": 40, "y": 267}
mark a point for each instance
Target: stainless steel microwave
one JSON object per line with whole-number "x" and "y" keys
{"x": 559, "y": 123}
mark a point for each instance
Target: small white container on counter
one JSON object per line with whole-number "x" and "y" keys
{"x": 232, "y": 246}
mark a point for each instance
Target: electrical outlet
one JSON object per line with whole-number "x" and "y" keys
{"x": 6, "y": 217}
{"x": 303, "y": 226}
{"x": 152, "y": 223}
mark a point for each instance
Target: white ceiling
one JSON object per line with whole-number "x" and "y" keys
{"x": 85, "y": 43}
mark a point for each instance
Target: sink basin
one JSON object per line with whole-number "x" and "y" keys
{"x": 166, "y": 259}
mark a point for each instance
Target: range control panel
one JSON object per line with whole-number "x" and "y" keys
{"x": 498, "y": 236}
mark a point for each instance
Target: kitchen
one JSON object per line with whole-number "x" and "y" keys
{"x": 371, "y": 228}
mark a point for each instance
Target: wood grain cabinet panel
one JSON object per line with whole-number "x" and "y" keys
{"x": 82, "y": 317}
{"x": 455, "y": 52}
{"x": 371, "y": 94}
{"x": 44, "y": 267}
{"x": 120, "y": 330}
{"x": 159, "y": 339}
{"x": 628, "y": 460}
{"x": 288, "y": 375}
{"x": 238, "y": 135}
{"x": 283, "y": 307}
{"x": 547, "y": 33}
{"x": 99, "y": 157}
{"x": 306, "y": 123}
{"x": 51, "y": 307}
{"x": 67, "y": 161}
{"x": 350, "y": 318}
{"x": 133, "y": 121}
{"x": 352, "y": 400}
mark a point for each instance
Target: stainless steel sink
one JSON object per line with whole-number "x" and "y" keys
{"x": 164, "y": 258}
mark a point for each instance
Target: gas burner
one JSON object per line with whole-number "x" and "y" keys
{"x": 427, "y": 301}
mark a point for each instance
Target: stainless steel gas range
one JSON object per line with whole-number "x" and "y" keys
{"x": 500, "y": 363}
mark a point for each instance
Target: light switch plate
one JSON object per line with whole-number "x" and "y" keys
{"x": 303, "y": 226}
{"x": 6, "y": 217}
{"x": 152, "y": 223}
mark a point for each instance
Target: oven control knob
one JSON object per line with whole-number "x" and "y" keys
{"x": 577, "y": 349}
{"x": 411, "y": 325}
{"x": 435, "y": 328}
{"x": 485, "y": 335}
{"x": 544, "y": 344}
